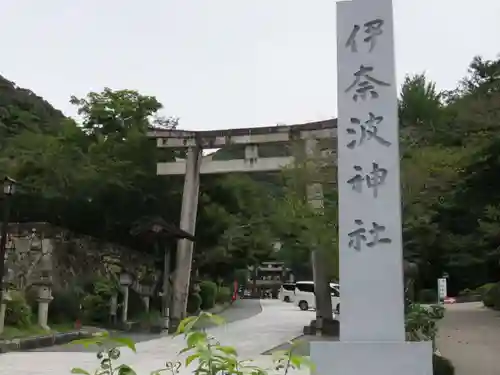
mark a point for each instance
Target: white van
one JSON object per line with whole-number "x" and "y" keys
{"x": 287, "y": 292}
{"x": 305, "y": 298}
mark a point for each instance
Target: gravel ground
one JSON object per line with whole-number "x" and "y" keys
{"x": 470, "y": 337}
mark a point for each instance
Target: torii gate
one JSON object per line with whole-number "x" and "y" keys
{"x": 195, "y": 164}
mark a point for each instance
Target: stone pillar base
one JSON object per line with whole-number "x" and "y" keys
{"x": 146, "y": 300}
{"x": 376, "y": 358}
{"x": 173, "y": 324}
{"x": 3, "y": 309}
{"x": 43, "y": 313}
{"x": 329, "y": 327}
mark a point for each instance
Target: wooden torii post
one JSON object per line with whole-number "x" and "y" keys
{"x": 156, "y": 230}
{"x": 195, "y": 164}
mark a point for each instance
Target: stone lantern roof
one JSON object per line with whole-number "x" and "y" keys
{"x": 156, "y": 226}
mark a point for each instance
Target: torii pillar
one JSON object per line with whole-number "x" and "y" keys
{"x": 195, "y": 164}
{"x": 189, "y": 210}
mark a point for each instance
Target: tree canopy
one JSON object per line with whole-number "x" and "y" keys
{"x": 98, "y": 176}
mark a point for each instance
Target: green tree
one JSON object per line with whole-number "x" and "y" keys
{"x": 420, "y": 103}
{"x": 118, "y": 111}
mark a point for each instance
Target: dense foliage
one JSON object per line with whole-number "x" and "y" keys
{"x": 98, "y": 177}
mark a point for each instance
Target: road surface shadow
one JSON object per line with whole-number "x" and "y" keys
{"x": 239, "y": 310}
{"x": 301, "y": 345}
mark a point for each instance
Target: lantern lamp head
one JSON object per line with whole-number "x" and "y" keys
{"x": 9, "y": 186}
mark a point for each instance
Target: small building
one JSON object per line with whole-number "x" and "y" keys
{"x": 268, "y": 277}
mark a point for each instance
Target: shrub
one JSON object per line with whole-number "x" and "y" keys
{"x": 223, "y": 294}
{"x": 96, "y": 302}
{"x": 442, "y": 366}
{"x": 421, "y": 323}
{"x": 65, "y": 307}
{"x": 489, "y": 292}
{"x": 495, "y": 295}
{"x": 428, "y": 296}
{"x": 194, "y": 303}
{"x": 18, "y": 312}
{"x": 95, "y": 308}
{"x": 484, "y": 288}
{"x": 208, "y": 292}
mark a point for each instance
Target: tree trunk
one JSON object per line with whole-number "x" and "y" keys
{"x": 322, "y": 291}
{"x": 254, "y": 281}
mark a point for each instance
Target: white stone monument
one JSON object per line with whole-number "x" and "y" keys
{"x": 372, "y": 334}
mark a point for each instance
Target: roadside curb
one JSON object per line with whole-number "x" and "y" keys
{"x": 36, "y": 342}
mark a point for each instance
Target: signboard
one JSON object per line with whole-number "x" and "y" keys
{"x": 442, "y": 289}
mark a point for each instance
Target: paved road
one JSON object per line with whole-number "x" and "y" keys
{"x": 470, "y": 337}
{"x": 241, "y": 309}
{"x": 278, "y": 322}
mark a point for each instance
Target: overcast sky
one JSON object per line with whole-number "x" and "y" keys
{"x": 223, "y": 63}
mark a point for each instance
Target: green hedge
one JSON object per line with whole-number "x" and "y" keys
{"x": 223, "y": 294}
{"x": 208, "y": 293}
{"x": 194, "y": 303}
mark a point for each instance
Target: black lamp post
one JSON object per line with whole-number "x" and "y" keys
{"x": 9, "y": 188}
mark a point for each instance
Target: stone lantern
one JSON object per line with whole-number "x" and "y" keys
{"x": 44, "y": 284}
{"x": 125, "y": 282}
{"x": 146, "y": 293}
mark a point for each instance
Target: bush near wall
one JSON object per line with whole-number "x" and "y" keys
{"x": 18, "y": 312}
{"x": 208, "y": 293}
{"x": 96, "y": 302}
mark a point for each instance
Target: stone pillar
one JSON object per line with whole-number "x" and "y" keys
{"x": 188, "y": 224}
{"x": 3, "y": 308}
{"x": 125, "y": 303}
{"x": 145, "y": 299}
{"x": 113, "y": 307}
{"x": 44, "y": 298}
{"x": 372, "y": 326}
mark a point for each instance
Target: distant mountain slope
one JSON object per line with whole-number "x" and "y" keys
{"x": 21, "y": 109}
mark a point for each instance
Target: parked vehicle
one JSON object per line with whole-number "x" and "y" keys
{"x": 287, "y": 292}
{"x": 305, "y": 297}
